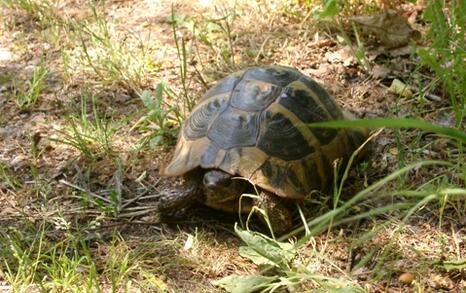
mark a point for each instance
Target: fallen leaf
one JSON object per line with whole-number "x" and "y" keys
{"x": 345, "y": 55}
{"x": 440, "y": 282}
{"x": 380, "y": 72}
{"x": 393, "y": 151}
{"x": 399, "y": 88}
{"x": 390, "y": 27}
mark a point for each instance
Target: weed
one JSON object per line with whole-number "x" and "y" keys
{"x": 7, "y": 178}
{"x": 159, "y": 121}
{"x": 32, "y": 261}
{"x": 92, "y": 137}
{"x": 35, "y": 87}
{"x": 217, "y": 34}
{"x": 447, "y": 53}
{"x": 188, "y": 101}
{"x": 110, "y": 58}
{"x": 43, "y": 11}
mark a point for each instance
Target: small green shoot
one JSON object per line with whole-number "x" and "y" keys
{"x": 180, "y": 43}
{"x": 159, "y": 120}
{"x": 7, "y": 178}
{"x": 92, "y": 137}
{"x": 35, "y": 87}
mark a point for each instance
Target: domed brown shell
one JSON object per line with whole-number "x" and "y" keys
{"x": 253, "y": 124}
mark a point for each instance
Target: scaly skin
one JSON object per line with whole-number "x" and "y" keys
{"x": 219, "y": 190}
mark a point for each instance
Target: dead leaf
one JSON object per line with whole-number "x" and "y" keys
{"x": 345, "y": 55}
{"x": 393, "y": 151}
{"x": 380, "y": 72}
{"x": 390, "y": 27}
{"x": 441, "y": 282}
{"x": 399, "y": 52}
{"x": 400, "y": 88}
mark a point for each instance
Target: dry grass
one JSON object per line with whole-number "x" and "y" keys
{"x": 80, "y": 151}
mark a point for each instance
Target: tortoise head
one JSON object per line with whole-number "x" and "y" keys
{"x": 221, "y": 189}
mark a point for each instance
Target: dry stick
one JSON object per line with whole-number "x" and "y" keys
{"x": 428, "y": 95}
{"x": 84, "y": 190}
{"x": 261, "y": 50}
{"x": 138, "y": 213}
{"x": 130, "y": 201}
{"x": 150, "y": 196}
{"x": 136, "y": 208}
{"x": 118, "y": 184}
{"x": 141, "y": 195}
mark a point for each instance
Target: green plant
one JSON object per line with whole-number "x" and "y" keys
{"x": 217, "y": 34}
{"x": 92, "y": 137}
{"x": 188, "y": 100}
{"x": 447, "y": 53}
{"x": 42, "y": 10}
{"x": 35, "y": 87}
{"x": 161, "y": 117}
{"x": 112, "y": 58}
{"x": 31, "y": 261}
{"x": 273, "y": 254}
{"x": 7, "y": 177}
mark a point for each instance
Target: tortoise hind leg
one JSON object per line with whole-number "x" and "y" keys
{"x": 277, "y": 211}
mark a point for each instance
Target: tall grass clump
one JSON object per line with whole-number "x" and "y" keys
{"x": 44, "y": 12}
{"x": 35, "y": 85}
{"x": 56, "y": 256}
{"x": 112, "y": 58}
{"x": 89, "y": 132}
{"x": 446, "y": 54}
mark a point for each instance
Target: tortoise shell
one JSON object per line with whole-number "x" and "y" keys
{"x": 253, "y": 124}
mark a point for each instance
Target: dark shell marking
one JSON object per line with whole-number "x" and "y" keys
{"x": 253, "y": 124}
{"x": 199, "y": 121}
{"x": 280, "y": 138}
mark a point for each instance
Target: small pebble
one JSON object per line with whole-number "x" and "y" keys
{"x": 406, "y": 278}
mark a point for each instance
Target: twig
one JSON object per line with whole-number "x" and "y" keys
{"x": 136, "y": 198}
{"x": 138, "y": 213}
{"x": 118, "y": 184}
{"x": 62, "y": 181}
{"x": 261, "y": 49}
{"x": 428, "y": 95}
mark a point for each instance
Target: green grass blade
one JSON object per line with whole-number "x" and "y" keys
{"x": 394, "y": 123}
{"x": 324, "y": 220}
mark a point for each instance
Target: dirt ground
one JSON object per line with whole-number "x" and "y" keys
{"x": 43, "y": 178}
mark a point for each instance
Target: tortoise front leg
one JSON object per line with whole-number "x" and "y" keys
{"x": 278, "y": 213}
{"x": 172, "y": 201}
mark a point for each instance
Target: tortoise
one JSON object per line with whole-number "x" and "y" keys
{"x": 253, "y": 125}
